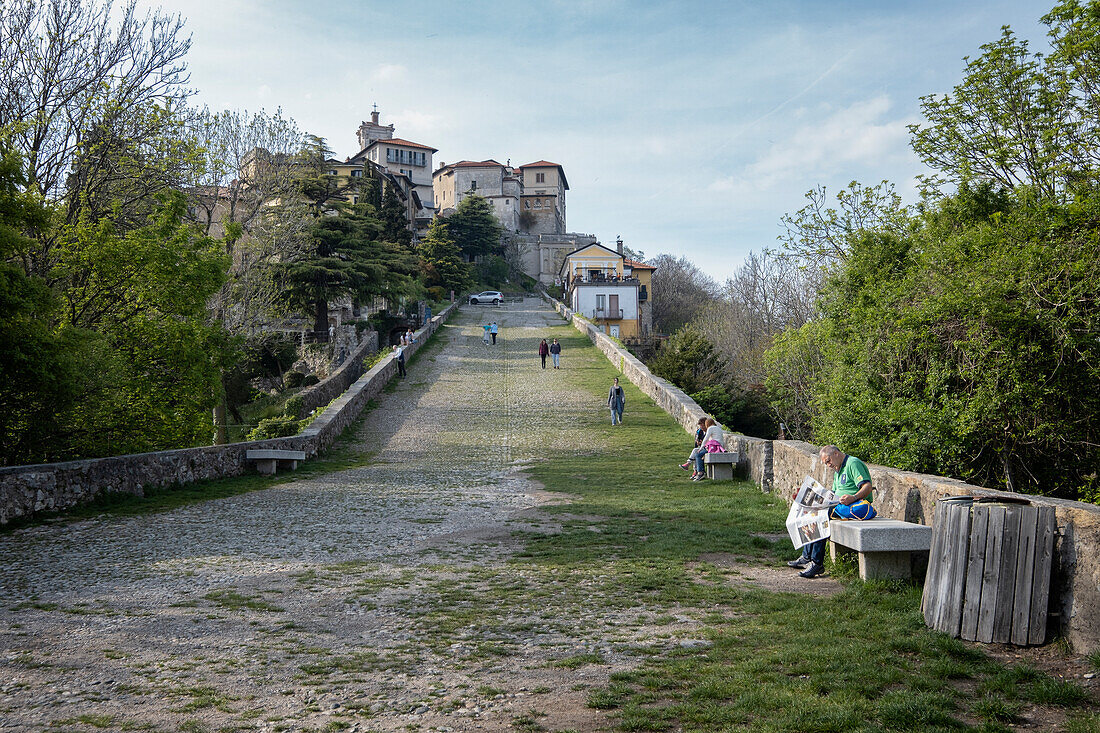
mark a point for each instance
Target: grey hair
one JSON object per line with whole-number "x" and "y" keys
{"x": 831, "y": 450}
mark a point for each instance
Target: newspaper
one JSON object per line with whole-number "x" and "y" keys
{"x": 808, "y": 520}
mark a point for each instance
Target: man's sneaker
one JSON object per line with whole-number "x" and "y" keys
{"x": 698, "y": 477}
{"x": 813, "y": 571}
{"x": 686, "y": 466}
{"x": 799, "y": 563}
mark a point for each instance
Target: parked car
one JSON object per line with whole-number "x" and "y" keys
{"x": 487, "y": 296}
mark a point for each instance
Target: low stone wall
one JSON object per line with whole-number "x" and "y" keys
{"x": 1075, "y": 595}
{"x": 338, "y": 382}
{"x": 28, "y": 490}
{"x": 779, "y": 466}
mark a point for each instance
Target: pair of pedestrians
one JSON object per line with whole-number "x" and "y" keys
{"x": 490, "y": 332}
{"x": 553, "y": 350}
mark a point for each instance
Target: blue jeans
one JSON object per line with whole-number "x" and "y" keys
{"x": 699, "y": 466}
{"x": 555, "y": 357}
{"x": 815, "y": 552}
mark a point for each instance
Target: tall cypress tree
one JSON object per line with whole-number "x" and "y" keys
{"x": 395, "y": 220}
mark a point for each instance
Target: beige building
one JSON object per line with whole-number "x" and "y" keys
{"x": 499, "y": 184}
{"x": 407, "y": 165}
{"x": 542, "y": 205}
{"x": 609, "y": 290}
{"x": 529, "y": 199}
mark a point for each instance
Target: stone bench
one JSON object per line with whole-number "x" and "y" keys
{"x": 267, "y": 459}
{"x": 884, "y": 545}
{"x": 720, "y": 465}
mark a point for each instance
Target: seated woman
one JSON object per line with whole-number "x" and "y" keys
{"x": 712, "y": 443}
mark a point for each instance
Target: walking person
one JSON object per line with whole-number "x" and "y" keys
{"x": 493, "y": 330}
{"x": 544, "y": 351}
{"x": 616, "y": 401}
{"x": 555, "y": 353}
{"x": 485, "y": 337}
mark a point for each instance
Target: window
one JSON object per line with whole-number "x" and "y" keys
{"x": 600, "y": 302}
{"x": 473, "y": 185}
{"x": 540, "y": 178}
{"x": 355, "y": 199}
{"x": 527, "y": 203}
{"x": 357, "y": 173}
{"x": 391, "y": 155}
{"x": 332, "y": 172}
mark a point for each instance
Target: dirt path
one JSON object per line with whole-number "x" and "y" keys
{"x": 309, "y": 606}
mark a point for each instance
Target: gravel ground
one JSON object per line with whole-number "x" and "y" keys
{"x": 303, "y": 607}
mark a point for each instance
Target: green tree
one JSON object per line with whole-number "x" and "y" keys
{"x": 1020, "y": 118}
{"x": 441, "y": 260}
{"x": 960, "y": 350}
{"x": 689, "y": 361}
{"x": 395, "y": 220}
{"x": 39, "y": 374}
{"x": 93, "y": 97}
{"x": 475, "y": 228}
{"x": 346, "y": 258}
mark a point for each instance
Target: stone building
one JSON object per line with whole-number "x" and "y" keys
{"x": 499, "y": 184}
{"x": 528, "y": 199}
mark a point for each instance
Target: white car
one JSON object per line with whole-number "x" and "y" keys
{"x": 487, "y": 296}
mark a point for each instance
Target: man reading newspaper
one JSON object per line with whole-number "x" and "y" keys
{"x": 852, "y": 487}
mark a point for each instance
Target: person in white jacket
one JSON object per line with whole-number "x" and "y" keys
{"x": 713, "y": 442}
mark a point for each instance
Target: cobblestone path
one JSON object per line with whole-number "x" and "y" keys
{"x": 313, "y": 605}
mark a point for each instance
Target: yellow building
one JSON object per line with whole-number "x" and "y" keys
{"x": 609, "y": 290}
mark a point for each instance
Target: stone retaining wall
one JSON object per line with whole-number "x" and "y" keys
{"x": 27, "y": 490}
{"x": 338, "y": 382}
{"x": 779, "y": 466}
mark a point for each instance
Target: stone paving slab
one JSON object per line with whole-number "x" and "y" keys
{"x": 299, "y": 607}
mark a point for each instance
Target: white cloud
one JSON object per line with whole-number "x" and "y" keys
{"x": 861, "y": 134}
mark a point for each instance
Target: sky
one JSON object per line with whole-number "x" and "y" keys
{"x": 687, "y": 128}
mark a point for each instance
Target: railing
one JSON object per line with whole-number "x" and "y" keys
{"x": 608, "y": 314}
{"x": 604, "y": 280}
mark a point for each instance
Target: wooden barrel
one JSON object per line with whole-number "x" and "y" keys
{"x": 989, "y": 570}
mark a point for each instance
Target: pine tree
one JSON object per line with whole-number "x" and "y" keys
{"x": 441, "y": 259}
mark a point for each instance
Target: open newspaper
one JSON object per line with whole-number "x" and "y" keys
{"x": 808, "y": 520}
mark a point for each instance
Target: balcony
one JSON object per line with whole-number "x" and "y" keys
{"x": 607, "y": 314}
{"x": 603, "y": 280}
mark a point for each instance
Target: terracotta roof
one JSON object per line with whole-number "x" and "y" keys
{"x": 634, "y": 265}
{"x": 405, "y": 143}
{"x": 490, "y": 163}
{"x": 548, "y": 164}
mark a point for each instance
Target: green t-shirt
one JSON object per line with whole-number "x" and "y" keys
{"x": 851, "y": 476}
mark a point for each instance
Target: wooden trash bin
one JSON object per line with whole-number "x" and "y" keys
{"x": 989, "y": 570}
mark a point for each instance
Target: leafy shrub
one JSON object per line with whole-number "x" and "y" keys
{"x": 293, "y": 406}
{"x": 293, "y": 380}
{"x": 310, "y": 380}
{"x": 276, "y": 427}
